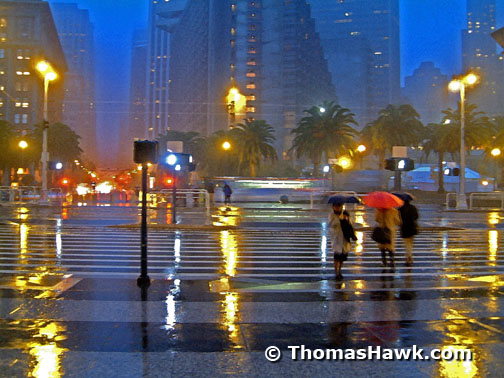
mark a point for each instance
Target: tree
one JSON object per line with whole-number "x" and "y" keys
{"x": 189, "y": 139}
{"x": 254, "y": 142}
{"x": 62, "y": 142}
{"x": 326, "y": 132}
{"x": 211, "y": 158}
{"x": 7, "y": 155}
{"x": 396, "y": 125}
{"x": 439, "y": 139}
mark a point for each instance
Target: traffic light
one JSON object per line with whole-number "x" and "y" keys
{"x": 55, "y": 165}
{"x": 399, "y": 164}
{"x": 179, "y": 161}
{"x": 145, "y": 151}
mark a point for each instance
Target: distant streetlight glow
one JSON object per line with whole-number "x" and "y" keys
{"x": 171, "y": 159}
{"x": 361, "y": 148}
{"x": 454, "y": 86}
{"x": 344, "y": 162}
{"x": 326, "y": 168}
{"x": 226, "y": 145}
{"x": 42, "y": 67}
{"x": 471, "y": 79}
{"x": 22, "y": 144}
{"x": 496, "y": 152}
{"x": 447, "y": 121}
{"x": 322, "y": 110}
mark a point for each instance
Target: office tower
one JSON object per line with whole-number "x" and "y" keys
{"x": 28, "y": 35}
{"x": 268, "y": 51}
{"x": 479, "y": 54}
{"x": 427, "y": 91}
{"x": 162, "y": 16}
{"x": 77, "y": 39}
{"x": 138, "y": 84}
{"x": 361, "y": 44}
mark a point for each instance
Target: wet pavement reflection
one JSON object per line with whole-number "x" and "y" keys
{"x": 68, "y": 288}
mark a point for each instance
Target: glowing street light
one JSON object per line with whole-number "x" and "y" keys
{"x": 344, "y": 162}
{"x": 495, "y": 152}
{"x": 459, "y": 85}
{"x": 22, "y": 144}
{"x": 226, "y": 145}
{"x": 49, "y": 75}
{"x": 361, "y": 148}
{"x": 322, "y": 109}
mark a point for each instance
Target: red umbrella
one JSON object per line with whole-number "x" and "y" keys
{"x": 382, "y": 200}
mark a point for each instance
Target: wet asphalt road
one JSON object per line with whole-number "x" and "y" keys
{"x": 69, "y": 304}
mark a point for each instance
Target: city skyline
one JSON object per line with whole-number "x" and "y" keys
{"x": 113, "y": 44}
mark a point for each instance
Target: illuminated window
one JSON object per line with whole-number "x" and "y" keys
{"x": 232, "y": 66}
{"x": 251, "y": 98}
{"x": 1, "y": 102}
{"x": 251, "y": 62}
{"x": 233, "y": 31}
{"x": 250, "y": 109}
{"x": 306, "y": 36}
{"x": 233, "y": 7}
{"x": 18, "y": 103}
{"x": 251, "y": 86}
{"x": 3, "y": 23}
{"x": 252, "y": 27}
{"x": 24, "y": 118}
{"x": 3, "y": 36}
{"x": 250, "y": 74}
{"x": 233, "y": 44}
{"x": 16, "y": 118}
{"x": 251, "y": 50}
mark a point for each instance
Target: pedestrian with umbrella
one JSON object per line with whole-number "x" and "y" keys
{"x": 388, "y": 219}
{"x": 409, "y": 217}
{"x": 341, "y": 231}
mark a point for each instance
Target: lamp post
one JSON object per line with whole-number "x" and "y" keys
{"x": 23, "y": 145}
{"x": 459, "y": 85}
{"x": 49, "y": 75}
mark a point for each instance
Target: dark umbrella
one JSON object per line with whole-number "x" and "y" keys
{"x": 339, "y": 199}
{"x": 404, "y": 196}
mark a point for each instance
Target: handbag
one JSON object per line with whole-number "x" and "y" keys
{"x": 381, "y": 235}
{"x": 348, "y": 230}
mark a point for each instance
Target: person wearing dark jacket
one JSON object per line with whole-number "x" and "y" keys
{"x": 409, "y": 216}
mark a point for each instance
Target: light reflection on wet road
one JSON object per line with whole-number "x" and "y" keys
{"x": 68, "y": 286}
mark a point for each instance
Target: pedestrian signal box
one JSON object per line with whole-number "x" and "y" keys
{"x": 145, "y": 151}
{"x": 399, "y": 164}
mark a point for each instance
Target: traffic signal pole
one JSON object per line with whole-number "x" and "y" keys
{"x": 174, "y": 198}
{"x": 144, "y": 279}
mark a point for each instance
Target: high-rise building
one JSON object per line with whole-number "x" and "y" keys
{"x": 266, "y": 50}
{"x": 138, "y": 84}
{"x": 479, "y": 54}
{"x": 27, "y": 36}
{"x": 361, "y": 44}
{"x": 162, "y": 16}
{"x": 427, "y": 91}
{"x": 77, "y": 39}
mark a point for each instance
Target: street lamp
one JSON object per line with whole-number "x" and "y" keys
{"x": 459, "y": 85}
{"x": 495, "y": 152}
{"x": 49, "y": 75}
{"x": 361, "y": 148}
{"x": 23, "y": 145}
{"x": 226, "y": 145}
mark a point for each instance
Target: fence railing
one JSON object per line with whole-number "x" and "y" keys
{"x": 490, "y": 196}
{"x": 184, "y": 198}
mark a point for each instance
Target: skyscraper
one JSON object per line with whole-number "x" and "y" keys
{"x": 266, "y": 50}
{"x": 479, "y": 54}
{"x": 28, "y": 35}
{"x": 427, "y": 91}
{"x": 75, "y": 31}
{"x": 361, "y": 44}
{"x": 162, "y": 16}
{"x": 138, "y": 84}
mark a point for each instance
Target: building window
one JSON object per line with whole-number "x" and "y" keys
{"x": 18, "y": 103}
{"x": 3, "y": 23}
{"x": 251, "y": 62}
{"x": 233, "y": 43}
{"x": 250, "y": 109}
{"x": 252, "y": 27}
{"x": 250, "y": 74}
{"x": 26, "y": 87}
{"x": 251, "y": 98}
{"x": 16, "y": 118}
{"x": 251, "y": 50}
{"x": 233, "y": 7}
{"x": 1, "y": 102}
{"x": 233, "y": 31}
{"x": 24, "y": 26}
{"x": 25, "y": 104}
{"x": 2, "y": 53}
{"x": 24, "y": 118}
{"x": 3, "y": 36}
{"x": 251, "y": 86}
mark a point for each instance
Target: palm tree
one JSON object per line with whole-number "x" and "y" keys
{"x": 479, "y": 130}
{"x": 254, "y": 142}
{"x": 396, "y": 125}
{"x": 439, "y": 139}
{"x": 326, "y": 132}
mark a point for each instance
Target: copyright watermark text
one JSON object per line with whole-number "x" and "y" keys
{"x": 301, "y": 353}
